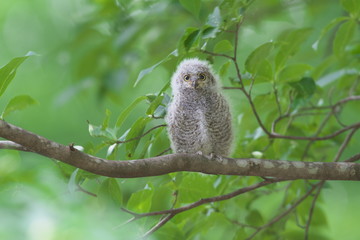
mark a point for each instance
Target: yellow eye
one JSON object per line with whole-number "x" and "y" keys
{"x": 202, "y": 76}
{"x": 186, "y": 77}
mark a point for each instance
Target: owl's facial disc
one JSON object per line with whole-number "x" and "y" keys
{"x": 195, "y": 81}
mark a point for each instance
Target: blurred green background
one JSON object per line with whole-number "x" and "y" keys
{"x": 89, "y": 54}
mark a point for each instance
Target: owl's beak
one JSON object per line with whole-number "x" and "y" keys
{"x": 195, "y": 84}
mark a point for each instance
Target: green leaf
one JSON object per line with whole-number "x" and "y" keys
{"x": 209, "y": 32}
{"x": 265, "y": 70}
{"x": 192, "y": 6}
{"x": 112, "y": 151}
{"x": 254, "y": 218}
{"x": 105, "y": 123}
{"x": 351, "y": 6}
{"x": 72, "y": 184}
{"x": 163, "y": 197}
{"x": 141, "y": 201}
{"x": 18, "y": 103}
{"x": 146, "y": 71}
{"x": 190, "y": 192}
{"x": 223, "y": 46}
{"x": 160, "y": 111}
{"x": 189, "y": 39}
{"x": 262, "y": 89}
{"x": 135, "y": 131}
{"x": 319, "y": 218}
{"x": 240, "y": 234}
{"x": 110, "y": 192}
{"x": 214, "y": 19}
{"x": 127, "y": 111}
{"x": 304, "y": 89}
{"x": 293, "y": 72}
{"x": 154, "y": 105}
{"x": 343, "y": 37}
{"x": 230, "y": 12}
{"x": 157, "y": 102}
{"x": 224, "y": 69}
{"x": 167, "y": 85}
{"x": 327, "y": 28}
{"x": 292, "y": 40}
{"x": 98, "y": 131}
{"x": 212, "y": 26}
{"x": 254, "y": 60}
{"x": 295, "y": 38}
{"x": 171, "y": 231}
{"x": 333, "y": 76}
{"x": 8, "y": 72}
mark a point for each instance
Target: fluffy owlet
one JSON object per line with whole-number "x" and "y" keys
{"x": 198, "y": 118}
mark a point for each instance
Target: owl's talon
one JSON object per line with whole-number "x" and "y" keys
{"x": 216, "y": 157}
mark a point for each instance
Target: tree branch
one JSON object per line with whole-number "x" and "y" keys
{"x": 285, "y": 213}
{"x": 170, "y": 213}
{"x": 273, "y": 134}
{"x": 180, "y": 162}
{"x": 312, "y": 208}
{"x": 13, "y": 146}
{"x": 142, "y": 135}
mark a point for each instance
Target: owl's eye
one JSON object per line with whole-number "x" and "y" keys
{"x": 202, "y": 76}
{"x": 186, "y": 77}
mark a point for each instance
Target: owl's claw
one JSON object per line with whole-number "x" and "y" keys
{"x": 212, "y": 156}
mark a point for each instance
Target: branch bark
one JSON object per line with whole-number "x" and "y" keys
{"x": 179, "y": 162}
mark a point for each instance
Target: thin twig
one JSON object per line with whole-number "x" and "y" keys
{"x": 354, "y": 158}
{"x": 277, "y": 99}
{"x": 237, "y": 88}
{"x": 286, "y": 115}
{"x": 344, "y": 145}
{"x": 170, "y": 213}
{"x": 312, "y": 208}
{"x": 163, "y": 152}
{"x": 159, "y": 225}
{"x": 125, "y": 223}
{"x": 321, "y": 184}
{"x": 233, "y": 221}
{"x": 317, "y": 133}
{"x": 341, "y": 102}
{"x": 256, "y": 114}
{"x": 334, "y": 134}
{"x": 354, "y": 86}
{"x": 297, "y": 220}
{"x": 236, "y": 43}
{"x": 13, "y": 146}
{"x": 283, "y": 214}
{"x": 216, "y": 54}
{"x": 142, "y": 135}
{"x": 337, "y": 117}
{"x": 205, "y": 200}
{"x": 81, "y": 189}
{"x": 251, "y": 85}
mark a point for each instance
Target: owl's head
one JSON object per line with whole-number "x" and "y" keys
{"x": 194, "y": 74}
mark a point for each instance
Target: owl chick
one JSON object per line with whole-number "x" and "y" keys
{"x": 198, "y": 118}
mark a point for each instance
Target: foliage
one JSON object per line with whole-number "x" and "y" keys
{"x": 294, "y": 61}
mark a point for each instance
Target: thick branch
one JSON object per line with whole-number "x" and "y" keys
{"x": 180, "y": 162}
